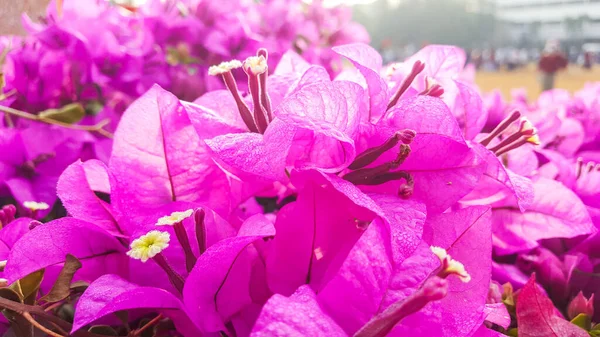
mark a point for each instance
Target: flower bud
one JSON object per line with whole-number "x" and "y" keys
{"x": 581, "y": 305}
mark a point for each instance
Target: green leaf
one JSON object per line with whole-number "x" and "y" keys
{"x": 69, "y": 114}
{"x": 583, "y": 321}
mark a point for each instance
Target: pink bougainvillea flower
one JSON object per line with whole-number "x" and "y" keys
{"x": 536, "y": 315}
{"x": 556, "y": 212}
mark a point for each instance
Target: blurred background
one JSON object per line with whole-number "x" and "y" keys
{"x": 505, "y": 40}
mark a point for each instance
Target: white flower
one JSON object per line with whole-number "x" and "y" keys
{"x": 147, "y": 246}
{"x": 224, "y": 67}
{"x": 175, "y": 217}
{"x": 451, "y": 266}
{"x": 36, "y": 206}
{"x": 255, "y": 64}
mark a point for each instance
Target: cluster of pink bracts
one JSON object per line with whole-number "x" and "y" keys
{"x": 278, "y": 180}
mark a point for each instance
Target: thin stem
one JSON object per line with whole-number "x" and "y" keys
{"x": 147, "y": 325}
{"x": 35, "y": 323}
{"x": 98, "y": 127}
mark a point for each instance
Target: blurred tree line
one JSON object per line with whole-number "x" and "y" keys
{"x": 466, "y": 23}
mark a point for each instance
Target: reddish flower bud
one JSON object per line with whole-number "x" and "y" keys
{"x": 581, "y": 305}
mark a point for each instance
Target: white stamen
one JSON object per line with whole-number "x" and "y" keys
{"x": 224, "y": 67}
{"x": 36, "y": 206}
{"x": 255, "y": 64}
{"x": 147, "y": 246}
{"x": 174, "y": 218}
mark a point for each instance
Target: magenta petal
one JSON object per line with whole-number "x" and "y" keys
{"x": 368, "y": 61}
{"x": 158, "y": 158}
{"x": 110, "y": 293}
{"x": 425, "y": 115}
{"x": 77, "y": 195}
{"x": 220, "y": 106}
{"x": 556, "y": 212}
{"x": 297, "y": 315}
{"x": 466, "y": 236}
{"x": 495, "y": 173}
{"x": 483, "y": 331}
{"x": 468, "y": 109}
{"x": 11, "y": 233}
{"x": 355, "y": 294}
{"x": 48, "y": 244}
{"x": 440, "y": 62}
{"x": 325, "y": 117}
{"x": 251, "y": 153}
{"x": 315, "y": 233}
{"x": 212, "y": 273}
{"x": 497, "y": 313}
{"x": 291, "y": 63}
{"x": 536, "y": 316}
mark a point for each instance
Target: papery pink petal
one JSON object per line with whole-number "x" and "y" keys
{"x": 211, "y": 274}
{"x": 440, "y": 62}
{"x": 291, "y": 62}
{"x": 466, "y": 236}
{"x": 441, "y": 180}
{"x": 423, "y": 114}
{"x": 297, "y": 315}
{"x": 48, "y": 245}
{"x": 326, "y": 118}
{"x": 79, "y": 198}
{"x": 215, "y": 113}
{"x": 354, "y": 295}
{"x": 468, "y": 109}
{"x": 110, "y": 294}
{"x": 495, "y": 173}
{"x": 251, "y": 153}
{"x": 368, "y": 61}
{"x": 11, "y": 233}
{"x": 536, "y": 316}
{"x": 497, "y": 313}
{"x": 158, "y": 158}
{"x": 556, "y": 212}
{"x": 569, "y": 138}
{"x": 314, "y": 234}
{"x": 483, "y": 331}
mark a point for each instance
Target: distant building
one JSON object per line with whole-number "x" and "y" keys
{"x": 532, "y": 22}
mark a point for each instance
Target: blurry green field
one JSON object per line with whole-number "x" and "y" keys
{"x": 571, "y": 79}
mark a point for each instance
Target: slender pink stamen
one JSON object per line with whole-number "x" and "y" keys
{"x": 370, "y": 155}
{"x": 199, "y": 217}
{"x": 417, "y": 68}
{"x": 174, "y": 277}
{"x": 264, "y": 96}
{"x": 501, "y": 127}
{"x": 368, "y": 176}
{"x": 242, "y": 107}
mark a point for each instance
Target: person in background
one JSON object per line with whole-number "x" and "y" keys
{"x": 551, "y": 61}
{"x": 587, "y": 60}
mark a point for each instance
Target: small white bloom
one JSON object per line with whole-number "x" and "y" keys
{"x": 174, "y": 218}
{"x": 439, "y": 252}
{"x": 452, "y": 267}
{"x": 36, "y": 206}
{"x": 224, "y": 67}
{"x": 147, "y": 246}
{"x": 458, "y": 269}
{"x": 256, "y": 64}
